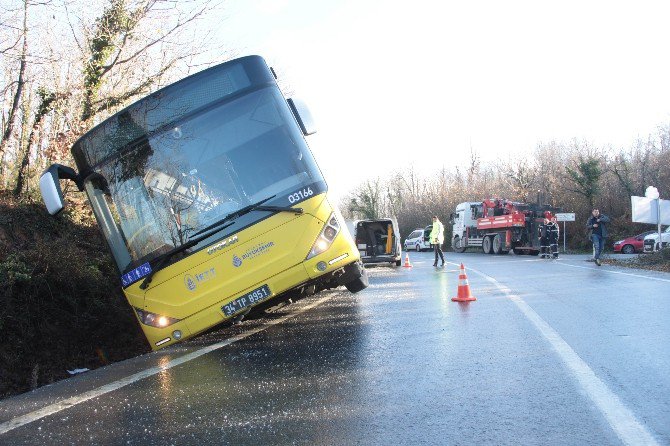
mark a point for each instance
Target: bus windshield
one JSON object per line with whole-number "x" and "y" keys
{"x": 161, "y": 189}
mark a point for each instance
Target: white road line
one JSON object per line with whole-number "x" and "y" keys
{"x": 599, "y": 268}
{"x": 622, "y": 419}
{"x": 73, "y": 401}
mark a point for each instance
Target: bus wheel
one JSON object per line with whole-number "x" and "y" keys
{"x": 356, "y": 285}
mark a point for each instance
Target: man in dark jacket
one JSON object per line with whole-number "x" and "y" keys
{"x": 597, "y": 224}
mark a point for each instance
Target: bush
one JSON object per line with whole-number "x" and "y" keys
{"x": 61, "y": 305}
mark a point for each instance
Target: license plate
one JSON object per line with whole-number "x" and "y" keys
{"x": 252, "y": 297}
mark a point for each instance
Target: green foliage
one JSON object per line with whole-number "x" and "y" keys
{"x": 61, "y": 305}
{"x": 586, "y": 176}
{"x": 365, "y": 203}
{"x": 110, "y": 29}
{"x": 14, "y": 270}
{"x": 47, "y": 99}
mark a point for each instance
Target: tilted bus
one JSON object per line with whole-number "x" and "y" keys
{"x": 211, "y": 201}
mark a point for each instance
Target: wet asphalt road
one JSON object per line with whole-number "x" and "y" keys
{"x": 400, "y": 364}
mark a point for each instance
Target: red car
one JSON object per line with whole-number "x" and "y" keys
{"x": 631, "y": 245}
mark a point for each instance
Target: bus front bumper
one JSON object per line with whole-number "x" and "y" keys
{"x": 278, "y": 284}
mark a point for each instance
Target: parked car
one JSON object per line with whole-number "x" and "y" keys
{"x": 419, "y": 239}
{"x": 631, "y": 245}
{"x": 378, "y": 240}
{"x": 651, "y": 243}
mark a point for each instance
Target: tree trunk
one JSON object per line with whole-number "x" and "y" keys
{"x": 25, "y": 159}
{"x": 47, "y": 102}
{"x": 11, "y": 118}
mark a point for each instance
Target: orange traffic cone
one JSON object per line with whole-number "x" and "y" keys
{"x": 407, "y": 264}
{"x": 464, "y": 294}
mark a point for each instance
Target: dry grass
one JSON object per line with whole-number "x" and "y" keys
{"x": 658, "y": 261}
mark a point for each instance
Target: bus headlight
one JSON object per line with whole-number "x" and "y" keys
{"x": 155, "y": 320}
{"x": 326, "y": 237}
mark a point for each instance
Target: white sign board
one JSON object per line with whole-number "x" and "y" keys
{"x": 645, "y": 210}
{"x": 565, "y": 216}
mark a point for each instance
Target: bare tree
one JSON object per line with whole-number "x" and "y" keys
{"x": 102, "y": 60}
{"x": 521, "y": 176}
{"x": 8, "y": 130}
{"x": 47, "y": 102}
{"x": 121, "y": 44}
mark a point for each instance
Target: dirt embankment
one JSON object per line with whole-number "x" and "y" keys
{"x": 658, "y": 261}
{"x": 61, "y": 305}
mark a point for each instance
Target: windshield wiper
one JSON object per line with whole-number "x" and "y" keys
{"x": 162, "y": 259}
{"x": 258, "y": 206}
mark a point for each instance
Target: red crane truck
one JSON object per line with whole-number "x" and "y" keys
{"x": 498, "y": 225}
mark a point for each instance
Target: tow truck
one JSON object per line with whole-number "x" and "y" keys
{"x": 499, "y": 225}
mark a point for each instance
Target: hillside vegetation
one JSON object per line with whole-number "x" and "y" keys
{"x": 65, "y": 67}
{"x": 61, "y": 306}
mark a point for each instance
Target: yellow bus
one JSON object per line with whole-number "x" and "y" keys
{"x": 211, "y": 201}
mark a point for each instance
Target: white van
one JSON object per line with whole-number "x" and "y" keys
{"x": 419, "y": 239}
{"x": 378, "y": 240}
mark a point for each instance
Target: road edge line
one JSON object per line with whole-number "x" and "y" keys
{"x": 642, "y": 276}
{"x": 622, "y": 420}
{"x": 51, "y": 409}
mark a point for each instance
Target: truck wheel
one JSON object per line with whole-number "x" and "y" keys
{"x": 418, "y": 248}
{"x": 487, "y": 245}
{"x": 398, "y": 262}
{"x": 497, "y": 244}
{"x": 456, "y": 245}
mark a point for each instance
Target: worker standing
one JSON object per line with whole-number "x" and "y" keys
{"x": 543, "y": 233}
{"x": 553, "y": 234}
{"x": 437, "y": 238}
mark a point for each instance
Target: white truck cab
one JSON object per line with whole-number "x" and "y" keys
{"x": 465, "y": 217}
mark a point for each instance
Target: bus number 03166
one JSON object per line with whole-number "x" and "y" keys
{"x": 300, "y": 195}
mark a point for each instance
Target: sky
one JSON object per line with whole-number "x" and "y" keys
{"x": 399, "y": 85}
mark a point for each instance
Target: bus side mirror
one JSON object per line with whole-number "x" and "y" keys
{"x": 50, "y": 186}
{"x": 302, "y": 115}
